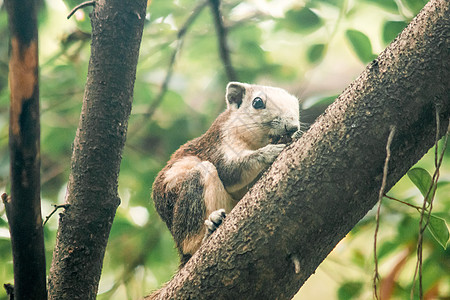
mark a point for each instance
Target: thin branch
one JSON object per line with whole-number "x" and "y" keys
{"x": 164, "y": 85}
{"x": 403, "y": 202}
{"x": 84, "y": 4}
{"x": 180, "y": 39}
{"x": 4, "y": 197}
{"x": 380, "y": 198}
{"x": 428, "y": 201}
{"x": 222, "y": 40}
{"x": 9, "y": 288}
{"x": 56, "y": 207}
{"x": 307, "y": 80}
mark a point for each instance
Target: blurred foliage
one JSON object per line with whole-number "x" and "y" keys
{"x": 313, "y": 48}
{"x": 361, "y": 45}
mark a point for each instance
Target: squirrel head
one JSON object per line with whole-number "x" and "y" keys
{"x": 260, "y": 114}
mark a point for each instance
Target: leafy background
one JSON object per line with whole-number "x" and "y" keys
{"x": 312, "y": 48}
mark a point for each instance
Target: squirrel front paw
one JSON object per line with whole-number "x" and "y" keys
{"x": 213, "y": 222}
{"x": 298, "y": 134}
{"x": 270, "y": 152}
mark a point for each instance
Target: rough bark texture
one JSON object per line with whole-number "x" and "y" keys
{"x": 324, "y": 183}
{"x": 23, "y": 207}
{"x": 84, "y": 228}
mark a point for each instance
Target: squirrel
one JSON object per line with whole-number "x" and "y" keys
{"x": 206, "y": 177}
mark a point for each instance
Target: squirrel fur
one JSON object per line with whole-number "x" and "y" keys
{"x": 207, "y": 176}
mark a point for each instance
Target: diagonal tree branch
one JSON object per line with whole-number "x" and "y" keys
{"x": 84, "y": 227}
{"x": 324, "y": 183}
{"x": 23, "y": 207}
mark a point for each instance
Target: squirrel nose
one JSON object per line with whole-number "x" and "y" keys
{"x": 291, "y": 128}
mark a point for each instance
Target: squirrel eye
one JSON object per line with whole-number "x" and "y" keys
{"x": 258, "y": 103}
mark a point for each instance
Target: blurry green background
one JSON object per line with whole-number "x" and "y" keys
{"x": 314, "y": 49}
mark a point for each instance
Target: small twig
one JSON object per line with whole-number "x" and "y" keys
{"x": 56, "y": 207}
{"x": 163, "y": 89}
{"x": 180, "y": 39}
{"x": 9, "y": 290}
{"x": 164, "y": 86}
{"x": 5, "y": 197}
{"x": 84, "y": 4}
{"x": 222, "y": 40}
{"x": 428, "y": 201}
{"x": 403, "y": 202}
{"x": 377, "y": 217}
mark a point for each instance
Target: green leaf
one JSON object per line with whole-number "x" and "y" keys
{"x": 336, "y": 3}
{"x": 442, "y": 183}
{"x": 391, "y": 29}
{"x": 387, "y": 248}
{"x": 3, "y": 223}
{"x": 302, "y": 20}
{"x": 349, "y": 290}
{"x": 415, "y": 5}
{"x": 422, "y": 179}
{"x": 160, "y": 9}
{"x": 255, "y": 56}
{"x": 359, "y": 258}
{"x": 315, "y": 52}
{"x": 361, "y": 45}
{"x": 404, "y": 233}
{"x": 439, "y": 230}
{"x": 388, "y": 5}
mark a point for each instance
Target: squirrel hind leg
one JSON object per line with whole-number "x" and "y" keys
{"x": 217, "y": 200}
{"x": 201, "y": 193}
{"x": 188, "y": 213}
{"x": 215, "y": 195}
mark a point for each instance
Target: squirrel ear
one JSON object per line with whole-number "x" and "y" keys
{"x": 235, "y": 93}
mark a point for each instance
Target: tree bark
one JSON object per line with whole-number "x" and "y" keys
{"x": 324, "y": 183}
{"x": 23, "y": 207}
{"x": 84, "y": 227}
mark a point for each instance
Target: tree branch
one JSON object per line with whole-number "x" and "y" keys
{"x": 180, "y": 39}
{"x": 222, "y": 40}
{"x": 165, "y": 84}
{"x": 97, "y": 151}
{"x": 79, "y": 6}
{"x": 376, "y": 276}
{"x": 324, "y": 183}
{"x": 55, "y": 208}
{"x": 23, "y": 207}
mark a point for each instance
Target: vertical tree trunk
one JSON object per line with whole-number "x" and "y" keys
{"x": 23, "y": 207}
{"x": 117, "y": 27}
